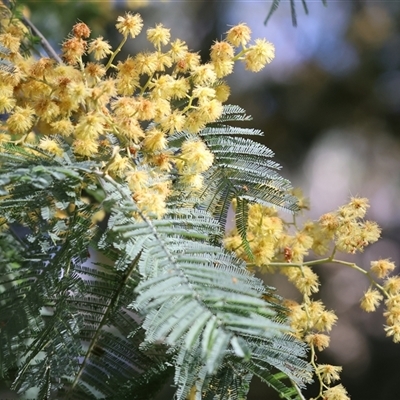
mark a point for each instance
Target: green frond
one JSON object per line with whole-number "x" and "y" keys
{"x": 204, "y": 304}
{"x": 275, "y": 4}
{"x": 169, "y": 294}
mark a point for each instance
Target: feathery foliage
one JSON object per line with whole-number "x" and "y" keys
{"x": 275, "y": 4}
{"x": 79, "y": 326}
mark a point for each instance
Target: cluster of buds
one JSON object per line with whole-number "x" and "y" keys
{"x": 122, "y": 114}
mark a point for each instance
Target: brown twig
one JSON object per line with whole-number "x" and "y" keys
{"x": 43, "y": 41}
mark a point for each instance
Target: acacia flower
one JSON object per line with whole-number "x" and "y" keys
{"x": 371, "y": 300}
{"x": 129, "y": 24}
{"x": 392, "y": 285}
{"x": 146, "y": 63}
{"x": 21, "y": 120}
{"x": 337, "y": 392}
{"x": 319, "y": 340}
{"x": 239, "y": 35}
{"x": 210, "y": 111}
{"x": 137, "y": 180}
{"x": 51, "y": 146}
{"x": 100, "y": 48}
{"x": 62, "y": 127}
{"x": 197, "y": 158}
{"x": 173, "y": 122}
{"x": 86, "y": 147}
{"x": 193, "y": 181}
{"x": 7, "y": 102}
{"x": 154, "y": 140}
{"x": 382, "y": 268}
{"x": 158, "y": 35}
{"x": 204, "y": 74}
{"x": 119, "y": 165}
{"x": 393, "y": 330}
{"x": 178, "y": 49}
{"x": 10, "y": 41}
{"x": 73, "y": 49}
{"x": 223, "y": 67}
{"x": 221, "y": 51}
{"x": 222, "y": 92}
{"x": 81, "y": 30}
{"x": 329, "y": 373}
{"x": 261, "y": 53}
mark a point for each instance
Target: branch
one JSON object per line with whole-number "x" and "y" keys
{"x": 43, "y": 41}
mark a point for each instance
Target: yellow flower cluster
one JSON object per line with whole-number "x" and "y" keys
{"x": 140, "y": 101}
{"x": 277, "y": 244}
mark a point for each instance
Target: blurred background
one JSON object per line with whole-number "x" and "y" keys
{"x": 329, "y": 105}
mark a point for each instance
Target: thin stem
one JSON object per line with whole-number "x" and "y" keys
{"x": 117, "y": 50}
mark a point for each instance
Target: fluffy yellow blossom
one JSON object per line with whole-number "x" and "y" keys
{"x": 51, "y": 146}
{"x": 222, "y": 92}
{"x": 371, "y": 299}
{"x": 261, "y": 53}
{"x": 129, "y": 25}
{"x": 318, "y": 340}
{"x": 163, "y": 61}
{"x": 393, "y": 330}
{"x": 4, "y": 137}
{"x": 62, "y": 127}
{"x": 87, "y": 147}
{"x": 337, "y": 392}
{"x": 371, "y": 232}
{"x": 7, "y": 102}
{"x": 145, "y": 108}
{"x": 356, "y": 208}
{"x": 46, "y": 109}
{"x": 392, "y": 315}
{"x": 41, "y": 67}
{"x": 210, "y": 111}
{"x": 221, "y": 51}
{"x": 100, "y": 48}
{"x": 189, "y": 62}
{"x": 392, "y": 285}
{"x": 305, "y": 280}
{"x": 137, "y": 180}
{"x": 21, "y": 120}
{"x": 90, "y": 126}
{"x": 178, "y": 50}
{"x": 263, "y": 250}
{"x": 173, "y": 122}
{"x": 329, "y": 222}
{"x": 239, "y": 35}
{"x": 382, "y": 268}
{"x": 154, "y": 140}
{"x": 81, "y": 30}
{"x": 195, "y": 157}
{"x": 204, "y": 75}
{"x": 10, "y": 41}
{"x": 73, "y": 49}
{"x": 94, "y": 72}
{"x": 151, "y": 203}
{"x": 192, "y": 181}
{"x": 118, "y": 165}
{"x": 393, "y": 301}
{"x": 223, "y": 68}
{"x": 129, "y": 128}
{"x": 147, "y": 63}
{"x": 203, "y": 93}
{"x": 158, "y": 36}
{"x": 328, "y": 373}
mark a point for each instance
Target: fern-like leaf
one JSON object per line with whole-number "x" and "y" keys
{"x": 276, "y": 3}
